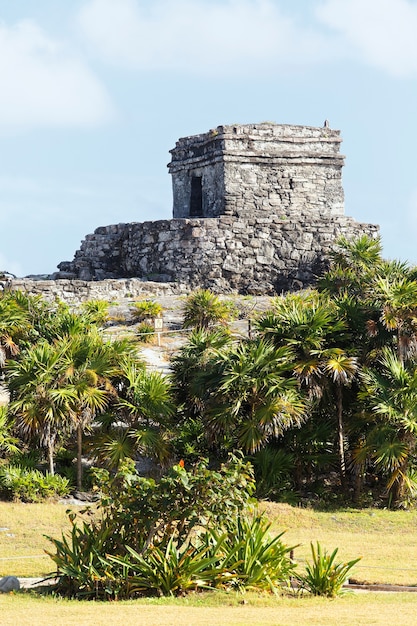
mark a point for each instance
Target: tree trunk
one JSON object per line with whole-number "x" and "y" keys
{"x": 50, "y": 446}
{"x": 341, "y": 435}
{"x": 51, "y": 457}
{"x": 79, "y": 457}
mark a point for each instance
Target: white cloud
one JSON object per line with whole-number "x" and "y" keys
{"x": 220, "y": 36}
{"x": 199, "y": 36}
{"x": 381, "y": 33}
{"x": 44, "y": 84}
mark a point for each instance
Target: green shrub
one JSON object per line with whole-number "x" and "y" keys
{"x": 204, "y": 309}
{"x": 26, "y": 460}
{"x": 30, "y": 485}
{"x": 253, "y": 559}
{"x": 170, "y": 571}
{"x": 145, "y": 310}
{"x": 323, "y": 576}
{"x": 97, "y": 311}
{"x": 145, "y": 332}
{"x": 273, "y": 471}
{"x": 188, "y": 530}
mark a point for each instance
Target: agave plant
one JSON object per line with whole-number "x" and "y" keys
{"x": 324, "y": 576}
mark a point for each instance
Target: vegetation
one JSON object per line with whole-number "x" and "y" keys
{"x": 190, "y": 530}
{"x": 30, "y": 485}
{"x": 203, "y": 309}
{"x": 144, "y": 310}
{"x": 324, "y": 576}
{"x": 378, "y": 535}
{"x": 320, "y": 401}
{"x": 206, "y": 609}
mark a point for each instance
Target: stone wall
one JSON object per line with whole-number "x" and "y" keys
{"x": 75, "y": 291}
{"x": 225, "y": 254}
{"x": 260, "y": 168}
{"x": 271, "y": 204}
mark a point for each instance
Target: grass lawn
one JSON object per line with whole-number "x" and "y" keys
{"x": 360, "y": 609}
{"x": 386, "y": 540}
{"x": 22, "y": 541}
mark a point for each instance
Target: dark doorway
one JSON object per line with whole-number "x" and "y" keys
{"x": 196, "y": 198}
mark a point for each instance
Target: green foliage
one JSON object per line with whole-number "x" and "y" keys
{"x": 81, "y": 562}
{"x": 97, "y": 311}
{"x": 273, "y": 470}
{"x": 253, "y": 400}
{"x": 8, "y": 443}
{"x": 252, "y": 559}
{"x": 324, "y": 576}
{"x": 145, "y": 332}
{"x": 25, "y": 459}
{"x": 172, "y": 571}
{"x": 188, "y": 530}
{"x": 145, "y": 310}
{"x": 30, "y": 485}
{"x": 178, "y": 502}
{"x": 203, "y": 309}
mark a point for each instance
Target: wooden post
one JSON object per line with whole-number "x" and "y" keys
{"x": 158, "y": 325}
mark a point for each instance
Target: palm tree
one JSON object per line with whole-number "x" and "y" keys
{"x": 311, "y": 325}
{"x": 195, "y": 357}
{"x": 254, "y": 400}
{"x": 92, "y": 370}
{"x": 147, "y": 408}
{"x": 204, "y": 309}
{"x": 8, "y": 443}
{"x": 340, "y": 369}
{"x": 398, "y": 303}
{"x": 391, "y": 394}
{"x": 40, "y": 400}
{"x": 14, "y": 324}
{"x": 353, "y": 266}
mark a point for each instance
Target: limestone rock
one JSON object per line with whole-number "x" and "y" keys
{"x": 9, "y": 583}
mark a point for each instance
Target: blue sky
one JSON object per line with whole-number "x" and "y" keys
{"x": 94, "y": 94}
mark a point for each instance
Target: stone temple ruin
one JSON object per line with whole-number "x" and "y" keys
{"x": 256, "y": 209}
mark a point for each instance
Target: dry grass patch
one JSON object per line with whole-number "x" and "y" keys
{"x": 382, "y": 609}
{"x": 386, "y": 540}
{"x": 22, "y": 541}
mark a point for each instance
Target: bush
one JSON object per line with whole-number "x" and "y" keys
{"x": 145, "y": 332}
{"x": 188, "y": 530}
{"x": 204, "y": 309}
{"x": 97, "y": 311}
{"x": 273, "y": 472}
{"x": 323, "y": 576}
{"x": 145, "y": 310}
{"x": 30, "y": 485}
{"x": 254, "y": 559}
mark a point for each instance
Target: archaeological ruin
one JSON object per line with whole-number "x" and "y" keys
{"x": 256, "y": 209}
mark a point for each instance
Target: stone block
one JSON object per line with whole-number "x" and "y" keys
{"x": 9, "y": 583}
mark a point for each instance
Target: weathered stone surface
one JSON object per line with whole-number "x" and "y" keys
{"x": 74, "y": 291}
{"x": 254, "y": 205}
{"x": 9, "y": 583}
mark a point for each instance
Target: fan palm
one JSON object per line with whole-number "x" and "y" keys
{"x": 391, "y": 392}
{"x": 203, "y": 309}
{"x": 92, "y": 369}
{"x": 40, "y": 399}
{"x": 8, "y": 443}
{"x": 254, "y": 400}
{"x": 398, "y": 303}
{"x": 311, "y": 325}
{"x": 147, "y": 408}
{"x": 14, "y": 323}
